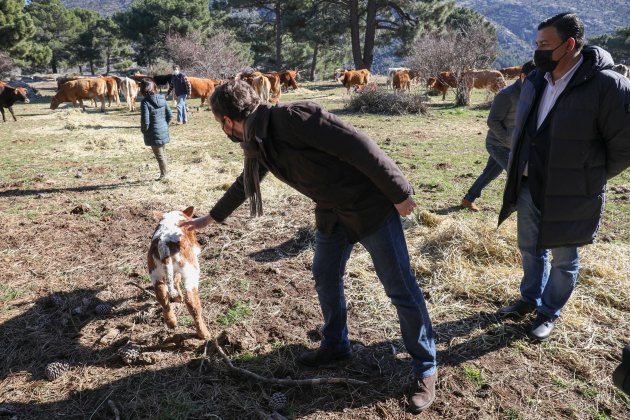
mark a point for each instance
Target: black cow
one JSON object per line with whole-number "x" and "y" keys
{"x": 10, "y": 95}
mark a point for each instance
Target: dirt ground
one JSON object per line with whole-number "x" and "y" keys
{"x": 75, "y": 225}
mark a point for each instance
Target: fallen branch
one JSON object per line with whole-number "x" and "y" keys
{"x": 142, "y": 288}
{"x": 291, "y": 382}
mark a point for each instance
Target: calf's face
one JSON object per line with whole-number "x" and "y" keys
{"x": 22, "y": 95}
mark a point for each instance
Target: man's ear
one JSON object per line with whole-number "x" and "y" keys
{"x": 189, "y": 211}
{"x": 157, "y": 215}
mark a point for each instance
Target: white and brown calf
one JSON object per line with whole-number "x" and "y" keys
{"x": 174, "y": 251}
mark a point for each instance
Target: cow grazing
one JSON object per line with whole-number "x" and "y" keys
{"x": 288, "y": 78}
{"x": 174, "y": 251}
{"x": 352, "y": 78}
{"x": 112, "y": 90}
{"x": 130, "y": 92}
{"x": 491, "y": 80}
{"x": 622, "y": 69}
{"x": 9, "y": 96}
{"x": 390, "y": 75}
{"x": 201, "y": 88}
{"x": 62, "y": 80}
{"x": 511, "y": 72}
{"x": 262, "y": 86}
{"x": 78, "y": 90}
{"x": 442, "y": 82}
{"x": 401, "y": 81}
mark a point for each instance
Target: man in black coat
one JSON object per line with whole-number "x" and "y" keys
{"x": 359, "y": 196}
{"x": 572, "y": 134}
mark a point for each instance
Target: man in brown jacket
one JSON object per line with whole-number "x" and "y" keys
{"x": 360, "y": 195}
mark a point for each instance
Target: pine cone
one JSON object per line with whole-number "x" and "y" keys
{"x": 103, "y": 309}
{"x": 277, "y": 401}
{"x": 129, "y": 354}
{"x": 143, "y": 317}
{"x": 56, "y": 369}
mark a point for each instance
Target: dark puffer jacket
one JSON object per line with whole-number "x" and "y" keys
{"x": 155, "y": 116}
{"x": 589, "y": 143}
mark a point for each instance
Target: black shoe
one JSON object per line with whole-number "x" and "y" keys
{"x": 519, "y": 309}
{"x": 324, "y": 357}
{"x": 541, "y": 328}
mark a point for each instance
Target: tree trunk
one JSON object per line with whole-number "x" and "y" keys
{"x": 109, "y": 60}
{"x": 80, "y": 69}
{"x": 53, "y": 64}
{"x": 314, "y": 63}
{"x": 278, "y": 28}
{"x": 462, "y": 92}
{"x": 92, "y": 67}
{"x": 370, "y": 34}
{"x": 354, "y": 34}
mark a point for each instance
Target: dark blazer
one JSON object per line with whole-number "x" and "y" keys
{"x": 588, "y": 132}
{"x": 351, "y": 180}
{"x": 155, "y": 116}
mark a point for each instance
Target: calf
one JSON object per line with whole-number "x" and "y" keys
{"x": 355, "y": 78}
{"x": 442, "y": 82}
{"x": 174, "y": 251}
{"x": 112, "y": 90}
{"x": 491, "y": 80}
{"x": 129, "y": 88}
{"x": 390, "y": 75}
{"x": 288, "y": 78}
{"x": 401, "y": 81}
{"x": 201, "y": 88}
{"x": 10, "y": 95}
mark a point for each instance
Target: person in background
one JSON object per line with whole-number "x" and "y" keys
{"x": 181, "y": 86}
{"x": 155, "y": 116}
{"x": 498, "y": 139}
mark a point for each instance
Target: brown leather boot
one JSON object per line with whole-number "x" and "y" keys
{"x": 423, "y": 394}
{"x": 469, "y": 205}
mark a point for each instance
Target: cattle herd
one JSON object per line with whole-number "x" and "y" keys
{"x": 268, "y": 86}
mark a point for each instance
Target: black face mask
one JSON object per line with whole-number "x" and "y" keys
{"x": 231, "y": 136}
{"x": 543, "y": 60}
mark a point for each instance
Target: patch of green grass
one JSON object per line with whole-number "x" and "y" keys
{"x": 146, "y": 278}
{"x": 176, "y": 409}
{"x": 245, "y": 356}
{"x": 559, "y": 382}
{"x": 587, "y": 391}
{"x": 9, "y": 293}
{"x": 238, "y": 312}
{"x": 624, "y": 398}
{"x": 511, "y": 414}
{"x": 474, "y": 375}
{"x": 186, "y": 320}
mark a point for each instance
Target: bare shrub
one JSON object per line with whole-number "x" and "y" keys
{"x": 470, "y": 47}
{"x": 383, "y": 102}
{"x": 219, "y": 56}
{"x": 6, "y": 64}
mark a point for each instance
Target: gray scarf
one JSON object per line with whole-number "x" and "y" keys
{"x": 251, "y": 175}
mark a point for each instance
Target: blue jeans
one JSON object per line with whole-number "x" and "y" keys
{"x": 389, "y": 254}
{"x": 181, "y": 109}
{"x": 547, "y": 289}
{"x": 497, "y": 163}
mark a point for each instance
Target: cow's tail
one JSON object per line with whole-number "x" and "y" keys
{"x": 169, "y": 271}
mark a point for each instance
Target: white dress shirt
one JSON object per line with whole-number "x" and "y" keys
{"x": 550, "y": 95}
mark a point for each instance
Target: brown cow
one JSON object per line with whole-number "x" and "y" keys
{"x": 442, "y": 82}
{"x": 511, "y": 72}
{"x": 77, "y": 90}
{"x": 10, "y": 95}
{"x": 201, "y": 88}
{"x": 112, "y": 90}
{"x": 274, "y": 81}
{"x": 401, "y": 81}
{"x": 491, "y": 80}
{"x": 355, "y": 78}
{"x": 289, "y": 78}
{"x": 62, "y": 80}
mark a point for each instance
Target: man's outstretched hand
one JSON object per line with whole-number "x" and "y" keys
{"x": 196, "y": 224}
{"x": 406, "y": 207}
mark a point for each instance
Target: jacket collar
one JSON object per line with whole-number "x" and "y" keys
{"x": 257, "y": 124}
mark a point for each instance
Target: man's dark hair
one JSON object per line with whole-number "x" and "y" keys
{"x": 568, "y": 25}
{"x": 528, "y": 67}
{"x": 148, "y": 87}
{"x": 235, "y": 99}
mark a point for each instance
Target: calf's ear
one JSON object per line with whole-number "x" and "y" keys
{"x": 157, "y": 215}
{"x": 189, "y": 211}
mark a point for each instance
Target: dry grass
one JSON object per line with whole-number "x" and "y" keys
{"x": 257, "y": 290}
